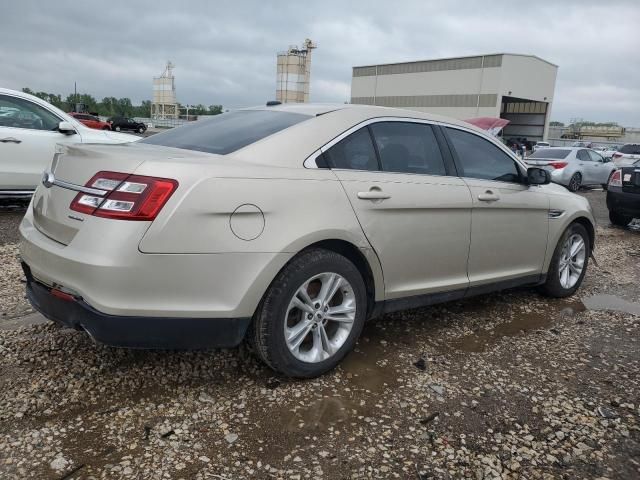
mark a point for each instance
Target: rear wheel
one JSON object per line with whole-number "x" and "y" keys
{"x": 619, "y": 219}
{"x": 569, "y": 263}
{"x": 575, "y": 182}
{"x": 311, "y": 316}
{"x": 117, "y": 129}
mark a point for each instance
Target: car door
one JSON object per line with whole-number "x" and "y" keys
{"x": 414, "y": 211}
{"x": 27, "y": 142}
{"x": 585, "y": 166}
{"x": 509, "y": 225}
{"x": 600, "y": 169}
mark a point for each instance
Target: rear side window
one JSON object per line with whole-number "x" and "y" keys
{"x": 479, "y": 158}
{"x": 630, "y": 149}
{"x": 355, "y": 152}
{"x": 550, "y": 153}
{"x": 227, "y": 132}
{"x": 408, "y": 148}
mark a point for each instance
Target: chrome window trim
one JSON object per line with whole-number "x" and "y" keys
{"x": 310, "y": 161}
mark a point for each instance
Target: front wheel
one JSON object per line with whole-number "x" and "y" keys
{"x": 575, "y": 182}
{"x": 141, "y": 130}
{"x": 619, "y": 220}
{"x": 569, "y": 263}
{"x": 117, "y": 129}
{"x": 311, "y": 316}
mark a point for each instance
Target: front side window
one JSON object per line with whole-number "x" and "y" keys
{"x": 20, "y": 113}
{"x": 595, "y": 156}
{"x": 479, "y": 158}
{"x": 355, "y": 152}
{"x": 227, "y": 132}
{"x": 583, "y": 156}
{"x": 408, "y": 148}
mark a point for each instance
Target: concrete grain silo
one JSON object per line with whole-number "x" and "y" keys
{"x": 293, "y": 74}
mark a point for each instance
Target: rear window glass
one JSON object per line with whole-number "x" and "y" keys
{"x": 227, "y": 132}
{"x": 550, "y": 153}
{"x": 630, "y": 149}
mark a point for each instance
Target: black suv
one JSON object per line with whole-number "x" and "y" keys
{"x": 124, "y": 123}
{"x": 623, "y": 195}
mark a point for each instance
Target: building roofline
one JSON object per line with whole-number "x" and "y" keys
{"x": 457, "y": 58}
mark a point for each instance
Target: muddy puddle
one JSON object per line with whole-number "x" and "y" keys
{"x": 521, "y": 323}
{"x": 611, "y": 302}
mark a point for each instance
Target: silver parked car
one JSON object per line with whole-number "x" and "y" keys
{"x": 290, "y": 226}
{"x": 573, "y": 167}
{"x": 628, "y": 155}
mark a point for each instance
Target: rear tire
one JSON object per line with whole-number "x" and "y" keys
{"x": 619, "y": 220}
{"x": 562, "y": 278}
{"x": 271, "y": 333}
{"x": 575, "y": 183}
{"x": 117, "y": 129}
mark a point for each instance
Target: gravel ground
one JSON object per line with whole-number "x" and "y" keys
{"x": 510, "y": 385}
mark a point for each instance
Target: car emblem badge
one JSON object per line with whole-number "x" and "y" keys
{"x": 48, "y": 179}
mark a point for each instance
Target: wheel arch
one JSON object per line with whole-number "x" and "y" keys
{"x": 586, "y": 223}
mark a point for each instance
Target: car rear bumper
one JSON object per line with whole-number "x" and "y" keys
{"x": 624, "y": 203}
{"x": 132, "y": 331}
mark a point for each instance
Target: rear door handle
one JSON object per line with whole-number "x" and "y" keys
{"x": 488, "y": 196}
{"x": 10, "y": 140}
{"x": 373, "y": 194}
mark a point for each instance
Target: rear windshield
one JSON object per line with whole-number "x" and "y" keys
{"x": 551, "y": 153}
{"x": 630, "y": 149}
{"x": 227, "y": 132}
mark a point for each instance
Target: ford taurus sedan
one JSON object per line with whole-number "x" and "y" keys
{"x": 290, "y": 226}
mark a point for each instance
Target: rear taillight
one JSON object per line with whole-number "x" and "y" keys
{"x": 616, "y": 179}
{"x": 126, "y": 197}
{"x": 558, "y": 165}
{"x": 616, "y": 155}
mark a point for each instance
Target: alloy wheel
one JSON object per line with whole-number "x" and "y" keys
{"x": 572, "y": 260}
{"x": 320, "y": 317}
{"x": 574, "y": 183}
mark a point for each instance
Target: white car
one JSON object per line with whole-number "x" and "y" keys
{"x": 540, "y": 145}
{"x": 289, "y": 226}
{"x": 628, "y": 155}
{"x": 30, "y": 128}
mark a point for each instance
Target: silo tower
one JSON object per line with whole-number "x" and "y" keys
{"x": 293, "y": 73}
{"x": 164, "y": 103}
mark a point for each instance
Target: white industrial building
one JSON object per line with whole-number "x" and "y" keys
{"x": 516, "y": 87}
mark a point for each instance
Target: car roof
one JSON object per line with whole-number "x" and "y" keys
{"x": 365, "y": 111}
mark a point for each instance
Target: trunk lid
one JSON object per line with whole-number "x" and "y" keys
{"x": 75, "y": 165}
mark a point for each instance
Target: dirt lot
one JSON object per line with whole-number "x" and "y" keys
{"x": 511, "y": 385}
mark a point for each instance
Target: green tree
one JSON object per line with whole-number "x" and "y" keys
{"x": 555, "y": 123}
{"x": 215, "y": 109}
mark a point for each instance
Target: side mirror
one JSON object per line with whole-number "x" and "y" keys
{"x": 66, "y": 128}
{"x": 538, "y": 176}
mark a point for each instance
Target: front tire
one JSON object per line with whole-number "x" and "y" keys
{"x": 311, "y": 316}
{"x": 619, "y": 220}
{"x": 117, "y": 129}
{"x": 141, "y": 130}
{"x": 569, "y": 263}
{"x": 575, "y": 182}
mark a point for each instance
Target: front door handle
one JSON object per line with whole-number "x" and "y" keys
{"x": 373, "y": 194}
{"x": 10, "y": 140}
{"x": 488, "y": 196}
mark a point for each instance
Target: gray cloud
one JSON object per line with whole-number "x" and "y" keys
{"x": 225, "y": 51}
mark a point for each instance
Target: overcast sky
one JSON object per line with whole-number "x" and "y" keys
{"x": 225, "y": 52}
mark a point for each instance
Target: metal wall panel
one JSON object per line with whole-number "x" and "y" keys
{"x": 426, "y": 101}
{"x": 490, "y": 61}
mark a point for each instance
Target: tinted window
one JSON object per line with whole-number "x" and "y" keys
{"x": 595, "y": 156}
{"x": 408, "y": 147}
{"x": 227, "y": 132}
{"x": 583, "y": 156}
{"x": 550, "y": 153}
{"x": 630, "y": 149}
{"x": 19, "y": 113}
{"x": 355, "y": 152}
{"x": 479, "y": 158}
